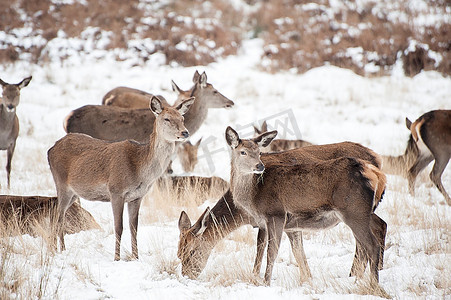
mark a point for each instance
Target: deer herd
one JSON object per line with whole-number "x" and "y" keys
{"x": 116, "y": 151}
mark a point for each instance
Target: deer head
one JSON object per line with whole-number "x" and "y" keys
{"x": 246, "y": 153}
{"x": 11, "y": 93}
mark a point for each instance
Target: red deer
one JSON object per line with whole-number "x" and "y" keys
{"x": 25, "y": 212}
{"x": 119, "y": 172}
{"x": 187, "y": 154}
{"x": 312, "y": 193}
{"x": 430, "y": 140}
{"x": 280, "y": 144}
{"x": 9, "y": 123}
{"x": 197, "y": 241}
{"x": 117, "y": 124}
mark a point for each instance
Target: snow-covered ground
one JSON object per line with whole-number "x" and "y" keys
{"x": 324, "y": 105}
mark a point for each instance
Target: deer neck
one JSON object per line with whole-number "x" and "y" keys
{"x": 158, "y": 153}
{"x": 244, "y": 189}
{"x": 226, "y": 217}
{"x": 197, "y": 113}
{"x": 6, "y": 117}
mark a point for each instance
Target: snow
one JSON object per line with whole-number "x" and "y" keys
{"x": 327, "y": 104}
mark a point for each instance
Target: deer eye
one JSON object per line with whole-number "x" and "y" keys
{"x": 166, "y": 119}
{"x": 243, "y": 153}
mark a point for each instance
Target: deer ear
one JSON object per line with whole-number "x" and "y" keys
{"x": 408, "y": 123}
{"x": 2, "y": 82}
{"x": 232, "y": 137}
{"x": 196, "y": 77}
{"x": 175, "y": 88}
{"x": 265, "y": 139}
{"x": 203, "y": 222}
{"x": 155, "y": 105}
{"x": 198, "y": 142}
{"x": 24, "y": 82}
{"x": 184, "y": 106}
{"x": 264, "y": 126}
{"x": 184, "y": 222}
{"x": 256, "y": 130}
{"x": 203, "y": 80}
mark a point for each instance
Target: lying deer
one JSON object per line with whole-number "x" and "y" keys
{"x": 9, "y": 123}
{"x": 117, "y": 124}
{"x": 120, "y": 172}
{"x": 430, "y": 140}
{"x": 197, "y": 241}
{"x": 311, "y": 194}
{"x": 128, "y": 98}
{"x": 25, "y": 212}
{"x": 280, "y": 144}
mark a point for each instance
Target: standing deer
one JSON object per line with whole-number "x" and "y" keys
{"x": 117, "y": 124}
{"x": 430, "y": 140}
{"x": 120, "y": 172}
{"x": 9, "y": 123}
{"x": 311, "y": 194}
{"x": 197, "y": 241}
{"x": 187, "y": 153}
{"x": 280, "y": 144}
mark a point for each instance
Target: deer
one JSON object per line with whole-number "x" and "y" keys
{"x": 118, "y": 172}
{"x": 117, "y": 124}
{"x": 197, "y": 241}
{"x": 25, "y": 212}
{"x": 128, "y": 98}
{"x": 280, "y": 144}
{"x": 9, "y": 122}
{"x": 311, "y": 194}
{"x": 429, "y": 140}
{"x": 187, "y": 154}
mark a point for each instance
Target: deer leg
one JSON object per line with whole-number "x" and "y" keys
{"x": 262, "y": 238}
{"x": 379, "y": 230}
{"x": 274, "y": 225}
{"x": 118, "y": 210}
{"x": 416, "y": 168}
{"x": 297, "y": 248}
{"x": 436, "y": 176}
{"x": 10, "y": 153}
{"x": 133, "y": 210}
{"x": 65, "y": 200}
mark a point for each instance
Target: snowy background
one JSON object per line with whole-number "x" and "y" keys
{"x": 328, "y": 104}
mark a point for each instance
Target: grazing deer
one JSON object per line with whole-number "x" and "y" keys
{"x": 9, "y": 123}
{"x": 24, "y": 212}
{"x": 120, "y": 172}
{"x": 117, "y": 124}
{"x": 197, "y": 241}
{"x": 430, "y": 140}
{"x": 196, "y": 188}
{"x": 311, "y": 194}
{"x": 280, "y": 144}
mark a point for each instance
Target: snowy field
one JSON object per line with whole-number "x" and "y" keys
{"x": 326, "y": 104}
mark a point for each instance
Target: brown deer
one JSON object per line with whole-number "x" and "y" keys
{"x": 280, "y": 144}
{"x": 129, "y": 98}
{"x": 430, "y": 140}
{"x": 120, "y": 172}
{"x": 311, "y": 194}
{"x": 117, "y": 124}
{"x": 25, "y": 212}
{"x": 197, "y": 241}
{"x": 187, "y": 154}
{"x": 9, "y": 123}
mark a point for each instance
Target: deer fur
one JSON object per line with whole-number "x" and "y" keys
{"x": 9, "y": 122}
{"x": 25, "y": 212}
{"x": 429, "y": 140}
{"x": 280, "y": 144}
{"x": 120, "y": 172}
{"x": 126, "y": 97}
{"x": 197, "y": 241}
{"x": 117, "y": 124}
{"x": 311, "y": 194}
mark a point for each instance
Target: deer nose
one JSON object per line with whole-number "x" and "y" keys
{"x": 185, "y": 134}
{"x": 10, "y": 106}
{"x": 259, "y": 168}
